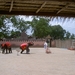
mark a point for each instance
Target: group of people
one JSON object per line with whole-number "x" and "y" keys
{"x": 6, "y": 47}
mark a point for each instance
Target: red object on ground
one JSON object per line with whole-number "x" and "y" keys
{"x": 71, "y": 48}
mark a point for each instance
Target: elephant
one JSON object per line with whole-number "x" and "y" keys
{"x": 6, "y": 47}
{"x": 25, "y": 46}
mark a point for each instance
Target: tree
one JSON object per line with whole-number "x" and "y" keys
{"x": 15, "y": 34}
{"x": 73, "y": 36}
{"x": 19, "y": 24}
{"x": 4, "y": 28}
{"x": 68, "y": 35}
{"x": 57, "y": 32}
{"x": 40, "y": 27}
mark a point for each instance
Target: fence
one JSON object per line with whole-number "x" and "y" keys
{"x": 40, "y": 43}
{"x": 63, "y": 43}
{"x": 37, "y": 43}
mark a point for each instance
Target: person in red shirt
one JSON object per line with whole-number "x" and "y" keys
{"x": 25, "y": 46}
{"x": 6, "y": 46}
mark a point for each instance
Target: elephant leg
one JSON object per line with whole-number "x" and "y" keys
{"x": 22, "y": 51}
{"x": 6, "y": 48}
{"x": 3, "y": 50}
{"x": 10, "y": 50}
{"x": 27, "y": 51}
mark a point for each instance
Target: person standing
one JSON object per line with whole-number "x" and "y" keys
{"x": 46, "y": 47}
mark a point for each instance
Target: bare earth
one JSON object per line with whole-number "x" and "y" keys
{"x": 59, "y": 62}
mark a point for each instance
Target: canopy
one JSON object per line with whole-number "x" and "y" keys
{"x": 62, "y": 8}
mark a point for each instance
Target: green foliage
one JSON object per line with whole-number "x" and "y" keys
{"x": 68, "y": 35}
{"x": 57, "y": 32}
{"x": 15, "y": 34}
{"x": 40, "y": 28}
{"x": 4, "y": 29}
{"x": 73, "y": 36}
{"x": 19, "y": 24}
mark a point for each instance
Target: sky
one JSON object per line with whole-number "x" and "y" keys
{"x": 67, "y": 24}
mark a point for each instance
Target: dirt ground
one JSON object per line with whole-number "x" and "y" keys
{"x": 59, "y": 62}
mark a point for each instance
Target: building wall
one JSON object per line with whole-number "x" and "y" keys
{"x": 63, "y": 43}
{"x": 40, "y": 43}
{"x": 18, "y": 43}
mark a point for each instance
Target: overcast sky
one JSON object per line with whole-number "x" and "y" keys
{"x": 68, "y": 25}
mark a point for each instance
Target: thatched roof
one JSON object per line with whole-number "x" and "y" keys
{"x": 62, "y": 8}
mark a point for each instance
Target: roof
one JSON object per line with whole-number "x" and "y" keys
{"x": 63, "y": 8}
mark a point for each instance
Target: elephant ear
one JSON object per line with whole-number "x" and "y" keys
{"x": 30, "y": 43}
{"x": 2, "y": 46}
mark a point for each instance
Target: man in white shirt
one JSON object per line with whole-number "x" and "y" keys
{"x": 46, "y": 47}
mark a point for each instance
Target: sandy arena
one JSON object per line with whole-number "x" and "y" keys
{"x": 59, "y": 62}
